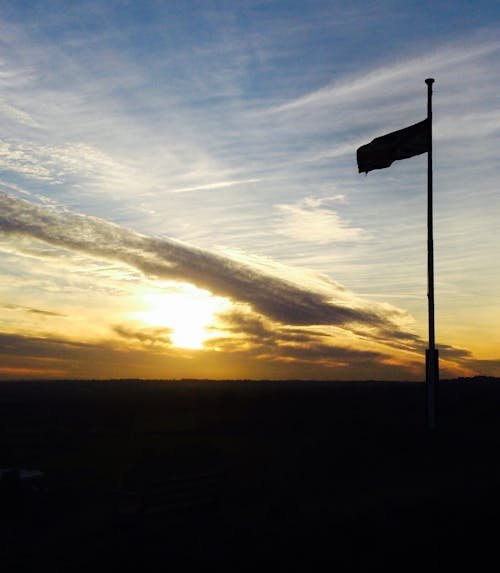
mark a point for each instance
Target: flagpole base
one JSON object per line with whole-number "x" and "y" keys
{"x": 431, "y": 386}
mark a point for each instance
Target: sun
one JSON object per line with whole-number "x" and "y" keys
{"x": 188, "y": 313}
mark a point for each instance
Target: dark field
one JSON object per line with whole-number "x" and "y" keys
{"x": 244, "y": 475}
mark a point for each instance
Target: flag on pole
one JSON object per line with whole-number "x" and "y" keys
{"x": 402, "y": 144}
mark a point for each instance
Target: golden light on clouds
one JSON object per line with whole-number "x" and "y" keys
{"x": 190, "y": 314}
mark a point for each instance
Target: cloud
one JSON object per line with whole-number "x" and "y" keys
{"x": 484, "y": 367}
{"x": 354, "y": 109}
{"x": 324, "y": 347}
{"x": 31, "y": 310}
{"x": 372, "y": 85}
{"x": 14, "y": 113}
{"x": 257, "y": 336}
{"x": 146, "y": 336}
{"x": 307, "y": 221}
{"x": 58, "y": 163}
{"x": 25, "y": 357}
{"x": 39, "y": 348}
{"x": 277, "y": 298}
{"x": 216, "y": 185}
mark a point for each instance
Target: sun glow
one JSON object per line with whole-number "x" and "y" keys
{"x": 188, "y": 314}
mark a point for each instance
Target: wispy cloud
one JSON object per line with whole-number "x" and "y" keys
{"x": 373, "y": 85}
{"x": 272, "y": 296}
{"x": 151, "y": 337}
{"x": 14, "y": 113}
{"x": 356, "y": 107}
{"x": 307, "y": 220}
{"x": 259, "y": 337}
{"x": 30, "y": 310}
{"x": 216, "y": 185}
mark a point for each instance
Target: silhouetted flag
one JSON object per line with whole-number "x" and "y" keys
{"x": 402, "y": 144}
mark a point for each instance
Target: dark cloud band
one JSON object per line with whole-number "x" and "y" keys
{"x": 272, "y": 296}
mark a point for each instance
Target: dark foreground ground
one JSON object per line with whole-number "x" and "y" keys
{"x": 248, "y": 475}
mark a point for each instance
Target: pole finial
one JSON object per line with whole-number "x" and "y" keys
{"x": 429, "y": 81}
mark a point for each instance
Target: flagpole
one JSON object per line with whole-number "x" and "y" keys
{"x": 431, "y": 353}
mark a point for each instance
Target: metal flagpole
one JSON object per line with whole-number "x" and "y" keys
{"x": 431, "y": 353}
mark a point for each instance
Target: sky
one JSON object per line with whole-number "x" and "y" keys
{"x": 179, "y": 195}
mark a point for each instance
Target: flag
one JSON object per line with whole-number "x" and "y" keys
{"x": 402, "y": 144}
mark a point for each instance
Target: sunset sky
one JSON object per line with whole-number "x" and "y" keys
{"x": 179, "y": 195}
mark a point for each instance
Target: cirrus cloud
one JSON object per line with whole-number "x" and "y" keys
{"x": 278, "y": 298}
